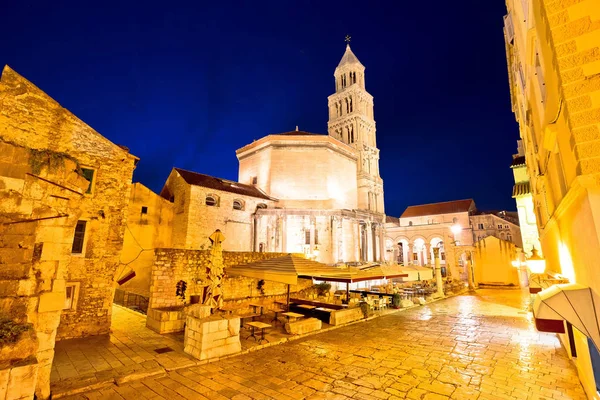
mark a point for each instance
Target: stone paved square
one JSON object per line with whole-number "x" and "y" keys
{"x": 479, "y": 346}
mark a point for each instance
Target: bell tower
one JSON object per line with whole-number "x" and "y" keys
{"x": 351, "y": 121}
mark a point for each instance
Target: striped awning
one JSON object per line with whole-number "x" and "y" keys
{"x": 521, "y": 189}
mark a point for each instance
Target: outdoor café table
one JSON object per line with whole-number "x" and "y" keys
{"x": 292, "y": 315}
{"x": 277, "y": 311}
{"x": 257, "y": 305}
{"x": 260, "y": 325}
{"x": 307, "y": 306}
{"x": 243, "y": 317}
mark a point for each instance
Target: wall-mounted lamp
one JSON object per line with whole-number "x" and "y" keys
{"x": 535, "y": 263}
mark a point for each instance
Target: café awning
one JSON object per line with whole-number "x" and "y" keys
{"x": 572, "y": 303}
{"x": 353, "y": 275}
{"x": 285, "y": 269}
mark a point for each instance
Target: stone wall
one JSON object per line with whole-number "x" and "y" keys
{"x": 194, "y": 221}
{"x": 40, "y": 202}
{"x": 174, "y": 265}
{"x": 32, "y": 119}
{"x": 149, "y": 226}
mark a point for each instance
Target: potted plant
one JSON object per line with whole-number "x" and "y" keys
{"x": 322, "y": 288}
{"x": 396, "y": 300}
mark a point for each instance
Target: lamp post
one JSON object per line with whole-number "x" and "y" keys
{"x": 316, "y": 252}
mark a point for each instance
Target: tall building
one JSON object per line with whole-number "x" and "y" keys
{"x": 553, "y": 52}
{"x": 351, "y": 121}
{"x": 297, "y": 192}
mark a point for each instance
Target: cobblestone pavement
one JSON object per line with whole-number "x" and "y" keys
{"x": 481, "y": 346}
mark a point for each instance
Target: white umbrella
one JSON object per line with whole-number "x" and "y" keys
{"x": 573, "y": 303}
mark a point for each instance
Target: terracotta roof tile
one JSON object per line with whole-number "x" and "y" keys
{"x": 196, "y": 179}
{"x": 446, "y": 207}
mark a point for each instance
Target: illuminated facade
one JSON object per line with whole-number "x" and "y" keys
{"x": 553, "y": 52}
{"x": 328, "y": 189}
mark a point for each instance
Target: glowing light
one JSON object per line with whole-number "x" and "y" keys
{"x": 456, "y": 229}
{"x": 316, "y": 251}
{"x": 566, "y": 263}
{"x": 535, "y": 263}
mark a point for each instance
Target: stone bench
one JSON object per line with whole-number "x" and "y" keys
{"x": 302, "y": 326}
{"x": 166, "y": 320}
{"x": 339, "y": 317}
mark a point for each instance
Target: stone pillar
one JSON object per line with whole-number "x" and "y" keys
{"x": 409, "y": 258}
{"x": 469, "y": 267}
{"x": 382, "y": 243}
{"x": 284, "y": 233}
{"x": 428, "y": 254}
{"x": 438, "y": 271}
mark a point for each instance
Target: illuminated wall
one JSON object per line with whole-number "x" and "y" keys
{"x": 554, "y": 73}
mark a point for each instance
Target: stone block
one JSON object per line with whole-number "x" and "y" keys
{"x": 345, "y": 316}
{"x": 303, "y": 326}
{"x": 51, "y": 301}
{"x": 406, "y": 303}
{"x": 198, "y": 310}
{"x": 22, "y": 380}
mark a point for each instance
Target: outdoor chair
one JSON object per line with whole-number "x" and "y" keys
{"x": 383, "y": 302}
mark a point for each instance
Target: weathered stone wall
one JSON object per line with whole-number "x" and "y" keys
{"x": 40, "y": 202}
{"x": 30, "y": 118}
{"x": 149, "y": 226}
{"x": 174, "y": 265}
{"x": 195, "y": 221}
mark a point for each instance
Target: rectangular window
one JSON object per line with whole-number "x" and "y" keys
{"x": 79, "y": 237}
{"x": 144, "y": 210}
{"x": 71, "y": 295}
{"x": 415, "y": 256}
{"x": 479, "y": 226}
{"x": 89, "y": 175}
{"x": 316, "y": 236}
{"x": 505, "y": 226}
{"x": 307, "y": 236}
{"x": 254, "y": 180}
{"x": 499, "y": 226}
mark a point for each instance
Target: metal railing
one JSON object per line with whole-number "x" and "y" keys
{"x": 130, "y": 300}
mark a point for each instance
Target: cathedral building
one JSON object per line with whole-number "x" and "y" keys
{"x": 298, "y": 192}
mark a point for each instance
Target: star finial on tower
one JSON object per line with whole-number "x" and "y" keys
{"x": 347, "y": 40}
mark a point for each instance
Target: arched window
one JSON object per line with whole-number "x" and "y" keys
{"x": 238, "y": 205}
{"x": 261, "y": 205}
{"x": 454, "y": 220}
{"x": 409, "y": 223}
{"x": 212, "y": 200}
{"x": 509, "y": 237}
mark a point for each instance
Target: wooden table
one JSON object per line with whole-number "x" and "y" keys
{"x": 282, "y": 304}
{"x": 306, "y": 306}
{"x": 243, "y": 317}
{"x": 260, "y": 325}
{"x": 257, "y": 305}
{"x": 277, "y": 311}
{"x": 292, "y": 315}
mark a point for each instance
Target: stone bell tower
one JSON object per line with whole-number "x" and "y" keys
{"x": 351, "y": 121}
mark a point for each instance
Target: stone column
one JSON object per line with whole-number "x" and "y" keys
{"x": 470, "y": 272}
{"x": 428, "y": 253}
{"x": 382, "y": 244}
{"x": 409, "y": 258}
{"x": 438, "y": 271}
{"x": 284, "y": 233}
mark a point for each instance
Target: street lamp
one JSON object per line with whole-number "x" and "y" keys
{"x": 316, "y": 251}
{"x": 456, "y": 229}
{"x": 535, "y": 263}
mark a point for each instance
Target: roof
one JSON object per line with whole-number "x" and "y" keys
{"x": 518, "y": 161}
{"x": 393, "y": 220}
{"x": 196, "y": 179}
{"x": 447, "y": 207}
{"x": 297, "y": 133}
{"x": 348, "y": 57}
{"x": 521, "y": 189}
{"x": 285, "y": 269}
